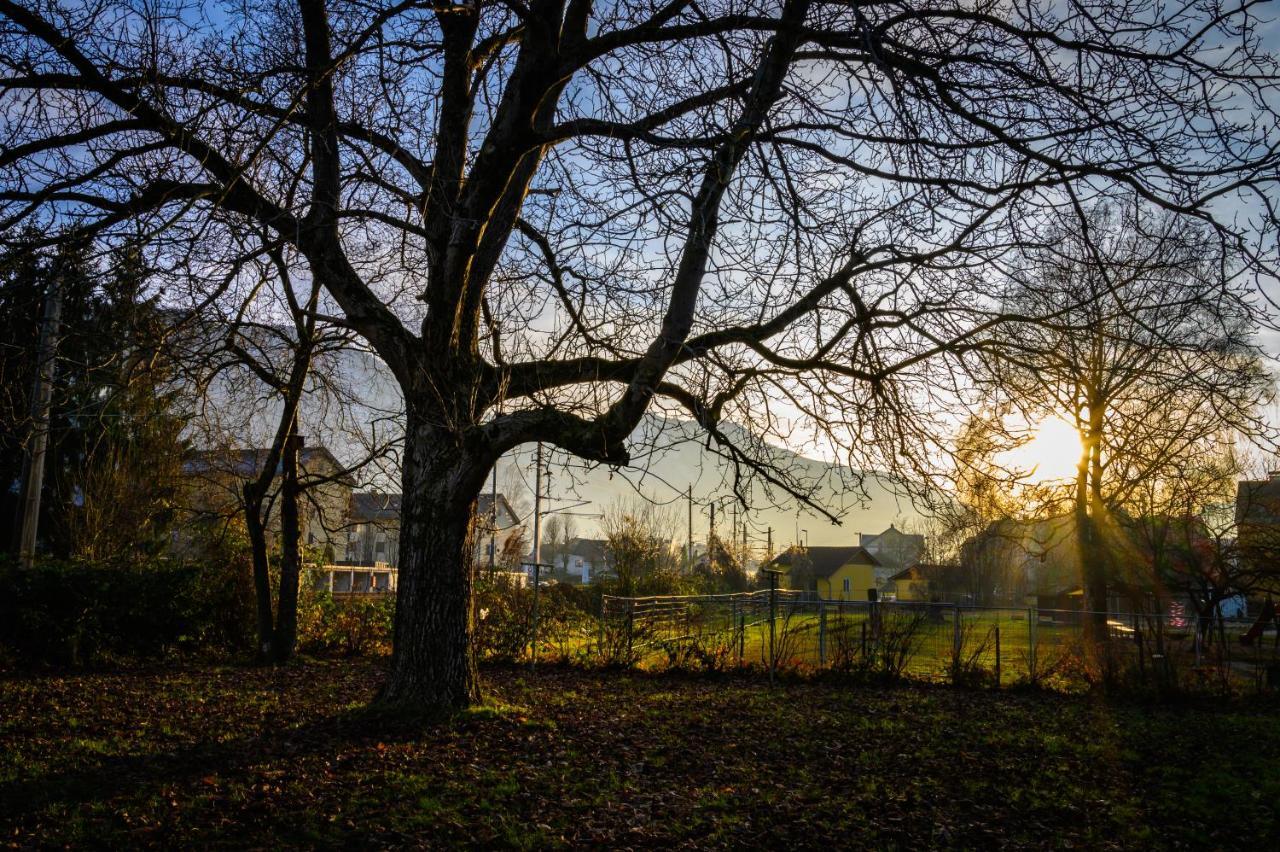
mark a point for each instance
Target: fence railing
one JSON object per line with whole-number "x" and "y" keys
{"x": 938, "y": 641}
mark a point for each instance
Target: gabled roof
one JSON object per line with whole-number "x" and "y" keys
{"x": 922, "y": 571}
{"x": 244, "y": 463}
{"x": 484, "y": 508}
{"x": 370, "y": 506}
{"x": 825, "y": 560}
{"x": 592, "y": 549}
{"x": 374, "y": 507}
{"x": 875, "y": 539}
{"x": 1258, "y": 501}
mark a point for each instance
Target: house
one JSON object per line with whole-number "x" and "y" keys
{"x": 1015, "y": 562}
{"x": 342, "y": 578}
{"x": 831, "y": 573}
{"x": 214, "y": 486}
{"x": 586, "y": 558}
{"x": 924, "y": 582}
{"x": 373, "y": 527}
{"x": 1257, "y": 515}
{"x": 894, "y": 550}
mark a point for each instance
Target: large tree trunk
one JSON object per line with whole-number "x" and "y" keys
{"x": 433, "y": 665}
{"x": 286, "y": 632}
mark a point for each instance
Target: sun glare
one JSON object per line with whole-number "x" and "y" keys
{"x": 1051, "y": 454}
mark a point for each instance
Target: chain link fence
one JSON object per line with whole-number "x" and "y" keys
{"x": 785, "y": 631}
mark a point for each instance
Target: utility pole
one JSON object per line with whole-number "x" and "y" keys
{"x": 711, "y": 535}
{"x": 769, "y": 552}
{"x": 688, "y": 550}
{"x": 41, "y": 395}
{"x": 493, "y": 536}
{"x": 537, "y": 506}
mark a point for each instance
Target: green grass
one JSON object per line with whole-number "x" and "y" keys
{"x": 228, "y": 757}
{"x": 1022, "y": 645}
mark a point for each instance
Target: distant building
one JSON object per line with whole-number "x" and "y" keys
{"x": 830, "y": 573}
{"x": 214, "y": 489}
{"x": 927, "y": 582}
{"x": 373, "y": 528}
{"x": 894, "y": 550}
{"x": 1257, "y": 514}
{"x": 586, "y": 559}
{"x": 1020, "y": 562}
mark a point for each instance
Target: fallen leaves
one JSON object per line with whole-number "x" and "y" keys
{"x": 225, "y": 756}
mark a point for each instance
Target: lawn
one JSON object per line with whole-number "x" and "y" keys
{"x": 231, "y": 757}
{"x": 990, "y": 639}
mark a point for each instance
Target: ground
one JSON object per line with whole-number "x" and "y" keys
{"x": 230, "y": 756}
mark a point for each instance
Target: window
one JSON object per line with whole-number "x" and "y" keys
{"x": 846, "y": 585}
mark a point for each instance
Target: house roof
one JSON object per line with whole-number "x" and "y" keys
{"x": 922, "y": 571}
{"x": 593, "y": 549}
{"x": 372, "y": 506}
{"x": 369, "y": 506}
{"x": 825, "y": 560}
{"x": 246, "y": 462}
{"x": 1258, "y": 501}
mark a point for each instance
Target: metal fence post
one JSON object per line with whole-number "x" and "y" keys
{"x": 955, "y": 634}
{"x": 822, "y": 635}
{"x": 742, "y": 635}
{"x": 1031, "y": 642}
{"x": 773, "y": 611}
{"x": 631, "y": 623}
{"x": 997, "y": 655}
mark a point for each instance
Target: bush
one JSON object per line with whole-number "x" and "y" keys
{"x": 351, "y": 626}
{"x": 85, "y": 614}
{"x": 504, "y": 620}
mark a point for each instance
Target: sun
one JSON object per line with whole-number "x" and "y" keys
{"x": 1051, "y": 455}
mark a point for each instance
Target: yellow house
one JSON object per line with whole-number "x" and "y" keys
{"x": 832, "y": 573}
{"x": 918, "y": 582}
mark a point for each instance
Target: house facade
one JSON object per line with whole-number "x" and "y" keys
{"x": 893, "y": 550}
{"x": 829, "y": 573}
{"x": 586, "y": 559}
{"x": 373, "y": 528}
{"x": 213, "y": 487}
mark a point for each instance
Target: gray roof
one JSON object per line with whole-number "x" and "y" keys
{"x": 372, "y": 506}
{"x": 247, "y": 462}
{"x": 369, "y": 506}
{"x": 593, "y": 549}
{"x": 826, "y": 560}
{"x": 1258, "y": 501}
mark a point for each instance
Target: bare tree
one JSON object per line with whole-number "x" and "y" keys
{"x": 640, "y": 537}
{"x": 1144, "y": 340}
{"x": 557, "y": 538}
{"x": 548, "y": 219}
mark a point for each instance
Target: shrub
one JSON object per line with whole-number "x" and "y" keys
{"x": 504, "y": 619}
{"x": 84, "y": 614}
{"x": 352, "y": 626}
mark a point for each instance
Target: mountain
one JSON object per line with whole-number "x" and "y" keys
{"x": 669, "y": 457}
